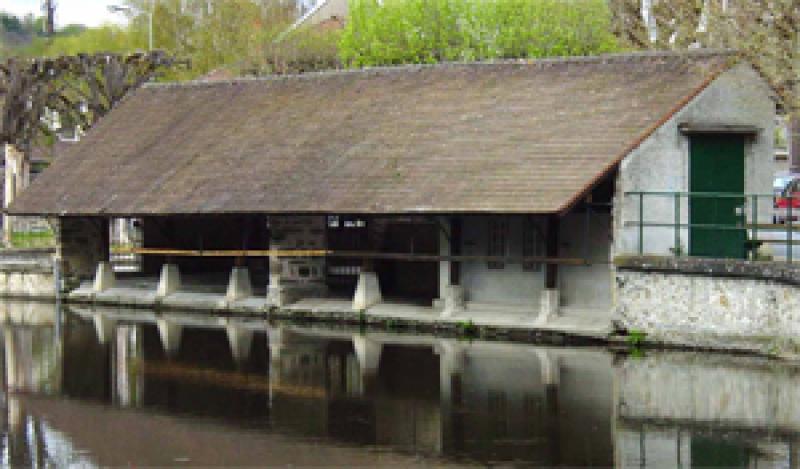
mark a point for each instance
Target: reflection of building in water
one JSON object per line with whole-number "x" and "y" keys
{"x": 31, "y": 349}
{"x": 481, "y": 401}
{"x": 688, "y": 410}
{"x": 421, "y": 394}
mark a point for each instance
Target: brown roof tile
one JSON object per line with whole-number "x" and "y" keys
{"x": 516, "y": 136}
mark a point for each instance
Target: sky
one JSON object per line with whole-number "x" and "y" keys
{"x": 88, "y": 12}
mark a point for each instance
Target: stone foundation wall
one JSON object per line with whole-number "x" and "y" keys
{"x": 27, "y": 273}
{"x": 669, "y": 298}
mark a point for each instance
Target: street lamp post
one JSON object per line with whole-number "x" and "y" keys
{"x": 127, "y": 9}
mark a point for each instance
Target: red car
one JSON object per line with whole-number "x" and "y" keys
{"x": 789, "y": 197}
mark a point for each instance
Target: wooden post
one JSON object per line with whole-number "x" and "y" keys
{"x": 455, "y": 249}
{"x": 551, "y": 270}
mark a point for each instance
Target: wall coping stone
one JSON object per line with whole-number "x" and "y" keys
{"x": 774, "y": 271}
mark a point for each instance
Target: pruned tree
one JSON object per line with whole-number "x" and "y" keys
{"x": 79, "y": 89}
{"x": 76, "y": 89}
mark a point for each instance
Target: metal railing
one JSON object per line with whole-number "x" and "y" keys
{"x": 749, "y": 208}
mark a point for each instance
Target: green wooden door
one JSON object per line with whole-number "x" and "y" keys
{"x": 716, "y": 164}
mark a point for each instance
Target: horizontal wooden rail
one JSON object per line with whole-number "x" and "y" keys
{"x": 411, "y": 257}
{"x": 222, "y": 252}
{"x": 745, "y": 226}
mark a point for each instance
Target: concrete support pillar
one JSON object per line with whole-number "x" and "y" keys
{"x": 104, "y": 277}
{"x": 552, "y": 251}
{"x": 104, "y": 327}
{"x": 549, "y": 305}
{"x": 368, "y": 291}
{"x": 444, "y": 250}
{"x": 454, "y": 301}
{"x": 170, "y": 280}
{"x": 239, "y": 286}
{"x": 240, "y": 340}
{"x": 451, "y": 293}
{"x": 170, "y": 334}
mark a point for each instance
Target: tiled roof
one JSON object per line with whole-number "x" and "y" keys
{"x": 513, "y": 136}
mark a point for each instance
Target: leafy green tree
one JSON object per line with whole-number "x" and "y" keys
{"x": 424, "y": 31}
{"x": 212, "y": 34}
{"x": 112, "y": 39}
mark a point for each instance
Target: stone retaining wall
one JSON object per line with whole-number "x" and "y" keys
{"x": 708, "y": 301}
{"x": 27, "y": 273}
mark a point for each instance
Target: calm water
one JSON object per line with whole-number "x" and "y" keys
{"x": 96, "y": 388}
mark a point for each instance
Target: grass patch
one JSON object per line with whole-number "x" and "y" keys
{"x": 467, "y": 328}
{"x": 32, "y": 239}
{"x": 636, "y": 338}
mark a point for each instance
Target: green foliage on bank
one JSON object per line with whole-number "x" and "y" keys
{"x": 387, "y": 32}
{"x": 32, "y": 239}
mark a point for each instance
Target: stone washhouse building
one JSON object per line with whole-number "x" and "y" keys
{"x": 500, "y": 187}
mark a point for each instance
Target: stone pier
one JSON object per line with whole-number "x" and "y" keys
{"x": 292, "y": 278}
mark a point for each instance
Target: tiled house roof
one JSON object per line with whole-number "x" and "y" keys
{"x": 515, "y": 136}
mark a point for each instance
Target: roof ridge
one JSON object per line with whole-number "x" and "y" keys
{"x": 539, "y": 62}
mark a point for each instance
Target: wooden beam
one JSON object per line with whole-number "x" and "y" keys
{"x": 346, "y": 254}
{"x": 551, "y": 250}
{"x": 455, "y": 250}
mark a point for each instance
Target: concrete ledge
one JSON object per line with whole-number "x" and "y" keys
{"x": 780, "y": 272}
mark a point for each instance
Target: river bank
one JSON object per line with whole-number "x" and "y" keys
{"x": 694, "y": 304}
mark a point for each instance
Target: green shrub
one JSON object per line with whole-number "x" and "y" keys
{"x": 386, "y": 32}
